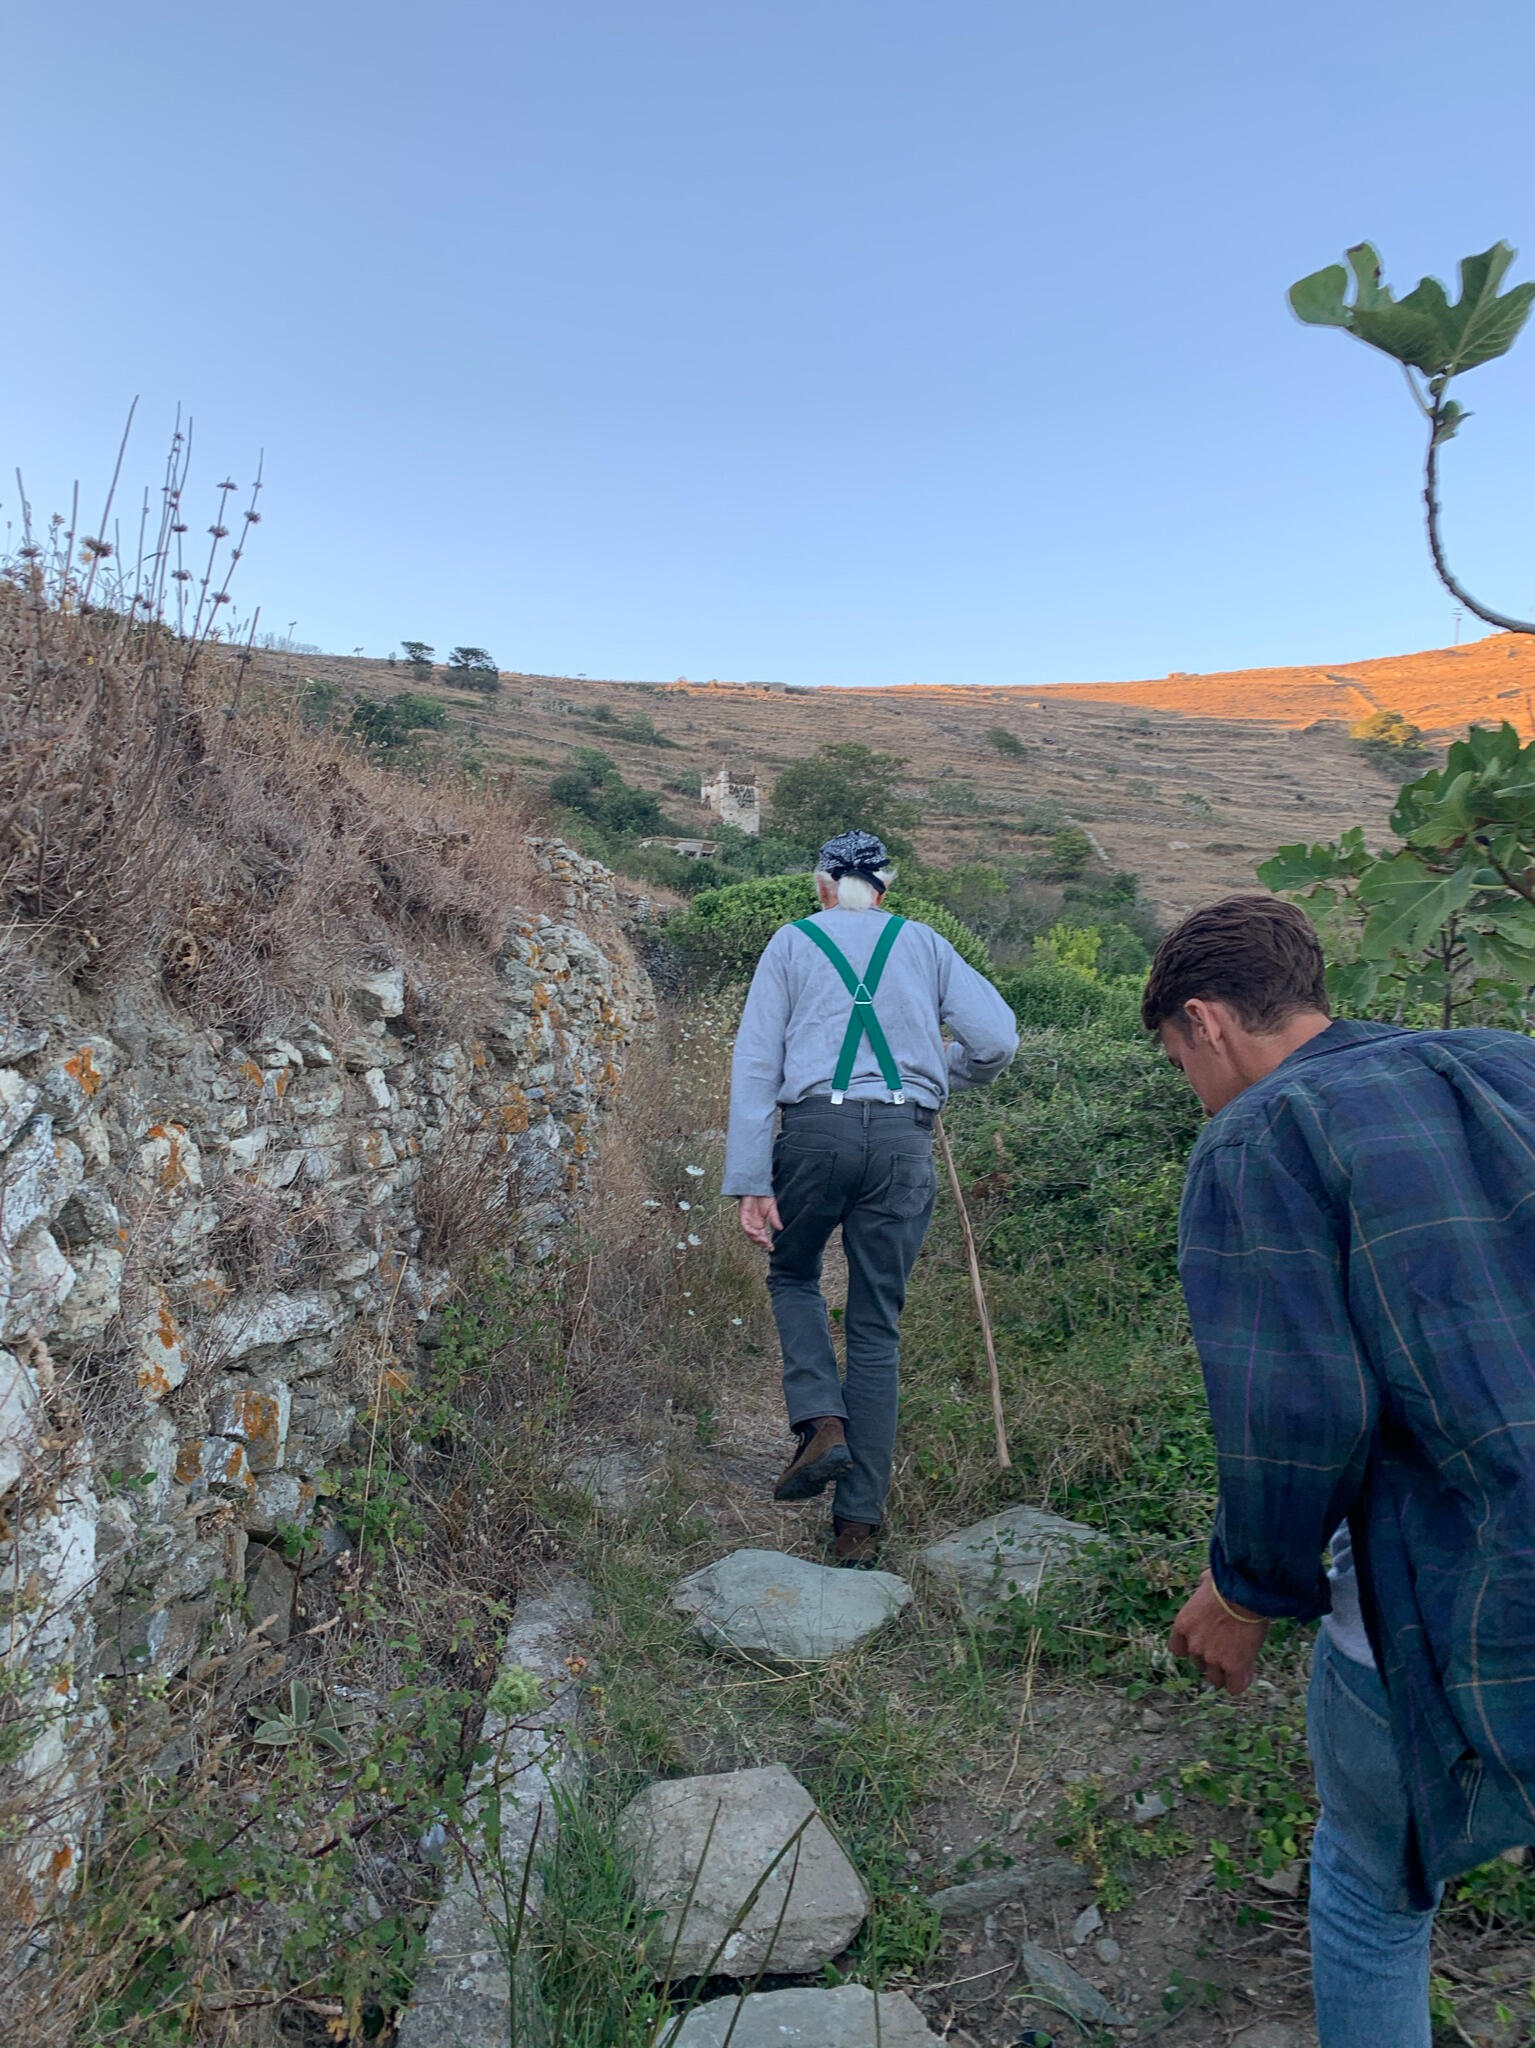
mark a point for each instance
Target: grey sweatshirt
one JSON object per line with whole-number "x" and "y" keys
{"x": 797, "y": 1012}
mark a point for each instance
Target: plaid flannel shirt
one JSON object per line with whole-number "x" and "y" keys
{"x": 1357, "y": 1245}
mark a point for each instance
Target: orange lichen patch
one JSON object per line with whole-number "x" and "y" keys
{"x": 155, "y": 1375}
{"x": 259, "y": 1420}
{"x": 174, "y": 1170}
{"x": 154, "y": 1382}
{"x": 216, "y": 1463}
{"x": 394, "y": 1380}
{"x": 61, "y": 1862}
{"x": 280, "y": 1083}
{"x": 514, "y": 1114}
{"x": 1443, "y": 690}
{"x": 253, "y": 1073}
{"x": 82, "y": 1067}
{"x": 373, "y": 1150}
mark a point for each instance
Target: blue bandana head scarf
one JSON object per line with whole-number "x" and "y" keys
{"x": 854, "y": 853}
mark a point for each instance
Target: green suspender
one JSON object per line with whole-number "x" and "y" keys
{"x": 863, "y": 1023}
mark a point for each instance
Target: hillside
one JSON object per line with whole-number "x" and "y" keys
{"x": 1189, "y": 781}
{"x": 1443, "y": 690}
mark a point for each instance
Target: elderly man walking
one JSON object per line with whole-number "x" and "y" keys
{"x": 1357, "y": 1245}
{"x": 841, "y": 1045}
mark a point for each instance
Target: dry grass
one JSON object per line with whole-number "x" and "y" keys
{"x": 159, "y": 825}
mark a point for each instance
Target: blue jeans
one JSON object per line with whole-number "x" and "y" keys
{"x": 1369, "y": 1943}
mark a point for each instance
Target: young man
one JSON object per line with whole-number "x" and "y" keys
{"x": 842, "y": 1044}
{"x": 1357, "y": 1245}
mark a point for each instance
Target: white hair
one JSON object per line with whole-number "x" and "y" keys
{"x": 853, "y": 892}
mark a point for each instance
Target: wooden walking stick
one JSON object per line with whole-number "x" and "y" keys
{"x": 979, "y": 1292}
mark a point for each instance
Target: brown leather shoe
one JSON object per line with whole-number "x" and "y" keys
{"x": 854, "y": 1544}
{"x": 822, "y": 1456}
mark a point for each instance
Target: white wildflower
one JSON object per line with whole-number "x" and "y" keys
{"x": 697, "y": 1172}
{"x": 736, "y": 1320}
{"x": 694, "y": 1240}
{"x": 684, "y": 1207}
{"x": 652, "y": 1205}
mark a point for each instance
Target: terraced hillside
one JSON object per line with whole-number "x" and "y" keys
{"x": 1443, "y": 690}
{"x": 1189, "y": 781}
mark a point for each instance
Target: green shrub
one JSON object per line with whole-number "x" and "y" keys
{"x": 1387, "y": 740}
{"x": 1006, "y": 742}
{"x": 1049, "y": 998}
{"x": 837, "y": 788}
{"x": 641, "y": 731}
{"x": 472, "y": 668}
{"x": 722, "y": 932}
{"x": 319, "y": 703}
{"x": 388, "y": 726}
{"x": 593, "y": 788}
{"x": 1070, "y": 851}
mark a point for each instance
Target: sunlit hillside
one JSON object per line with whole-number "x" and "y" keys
{"x": 1189, "y": 781}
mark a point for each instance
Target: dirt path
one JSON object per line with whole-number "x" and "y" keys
{"x": 944, "y": 1757}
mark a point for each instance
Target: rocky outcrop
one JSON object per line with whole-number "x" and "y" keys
{"x": 212, "y": 1253}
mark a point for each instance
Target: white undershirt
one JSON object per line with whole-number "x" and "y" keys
{"x": 1345, "y": 1624}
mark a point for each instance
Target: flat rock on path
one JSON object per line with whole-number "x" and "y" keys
{"x": 843, "y": 2018}
{"x": 1007, "y": 1554}
{"x": 1051, "y": 1875}
{"x": 753, "y": 1815}
{"x": 1058, "y": 1981}
{"x": 785, "y": 1611}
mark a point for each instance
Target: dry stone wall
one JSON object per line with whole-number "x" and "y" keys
{"x": 211, "y": 1254}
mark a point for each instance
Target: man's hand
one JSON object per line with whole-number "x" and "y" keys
{"x": 760, "y": 1219}
{"x": 1222, "y": 1642}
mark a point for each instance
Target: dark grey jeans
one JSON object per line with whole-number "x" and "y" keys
{"x": 866, "y": 1167}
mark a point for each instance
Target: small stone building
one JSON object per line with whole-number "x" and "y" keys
{"x": 736, "y": 799}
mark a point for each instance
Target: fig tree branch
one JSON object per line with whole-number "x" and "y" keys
{"x": 1436, "y": 546}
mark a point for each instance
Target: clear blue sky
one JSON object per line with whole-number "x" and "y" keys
{"x": 815, "y": 340}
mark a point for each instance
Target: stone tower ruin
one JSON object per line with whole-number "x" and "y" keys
{"x": 735, "y": 798}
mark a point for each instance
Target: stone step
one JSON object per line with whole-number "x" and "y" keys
{"x": 843, "y": 2018}
{"x": 1007, "y": 1556}
{"x": 713, "y": 1838}
{"x": 785, "y": 1611}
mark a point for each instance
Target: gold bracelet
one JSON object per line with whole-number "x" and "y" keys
{"x": 1252, "y": 1620}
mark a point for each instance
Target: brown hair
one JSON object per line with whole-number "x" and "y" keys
{"x": 1253, "y": 952}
